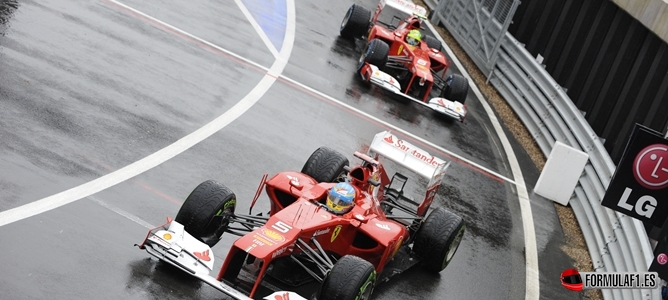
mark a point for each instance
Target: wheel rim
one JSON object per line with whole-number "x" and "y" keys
{"x": 366, "y": 290}
{"x": 446, "y": 88}
{"x": 453, "y": 248}
{"x": 211, "y": 230}
{"x": 346, "y": 18}
{"x": 343, "y": 176}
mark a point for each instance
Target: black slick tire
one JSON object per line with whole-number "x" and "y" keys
{"x": 433, "y": 42}
{"x": 325, "y": 165}
{"x": 356, "y": 22}
{"x": 438, "y": 239}
{"x": 375, "y": 53}
{"x": 206, "y": 212}
{"x": 456, "y": 88}
{"x": 351, "y": 278}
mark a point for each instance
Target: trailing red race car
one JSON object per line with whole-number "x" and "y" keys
{"x": 404, "y": 60}
{"x": 308, "y": 237}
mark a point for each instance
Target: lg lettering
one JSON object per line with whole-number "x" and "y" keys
{"x": 639, "y": 187}
{"x": 644, "y": 206}
{"x": 649, "y": 170}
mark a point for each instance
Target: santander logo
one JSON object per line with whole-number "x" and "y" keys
{"x": 406, "y": 147}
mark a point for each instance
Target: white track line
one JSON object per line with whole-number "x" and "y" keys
{"x": 532, "y": 288}
{"x": 257, "y": 28}
{"x": 164, "y": 154}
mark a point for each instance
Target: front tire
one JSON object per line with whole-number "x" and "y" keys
{"x": 438, "y": 239}
{"x": 356, "y": 22}
{"x": 206, "y": 212}
{"x": 325, "y": 165}
{"x": 375, "y": 53}
{"x": 433, "y": 43}
{"x": 456, "y": 88}
{"x": 351, "y": 278}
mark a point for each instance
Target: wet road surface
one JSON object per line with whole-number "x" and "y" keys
{"x": 87, "y": 88}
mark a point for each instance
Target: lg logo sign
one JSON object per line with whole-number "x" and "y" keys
{"x": 650, "y": 169}
{"x": 640, "y": 185}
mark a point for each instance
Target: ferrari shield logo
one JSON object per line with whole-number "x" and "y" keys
{"x": 335, "y": 234}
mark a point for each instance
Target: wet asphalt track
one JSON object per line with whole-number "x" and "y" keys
{"x": 87, "y": 88}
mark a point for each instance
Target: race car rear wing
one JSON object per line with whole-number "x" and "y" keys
{"x": 407, "y": 155}
{"x": 405, "y": 6}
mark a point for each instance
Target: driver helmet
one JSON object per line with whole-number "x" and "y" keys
{"x": 341, "y": 198}
{"x": 413, "y": 37}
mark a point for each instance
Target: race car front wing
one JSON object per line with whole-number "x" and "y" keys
{"x": 453, "y": 109}
{"x": 172, "y": 244}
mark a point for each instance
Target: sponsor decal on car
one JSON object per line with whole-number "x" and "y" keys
{"x": 157, "y": 239}
{"x": 396, "y": 248}
{"x": 282, "y": 295}
{"x": 372, "y": 188}
{"x": 335, "y": 234}
{"x": 281, "y": 227}
{"x": 279, "y": 252}
{"x": 321, "y": 232}
{"x": 294, "y": 180}
{"x": 383, "y": 226}
{"x": 273, "y": 235}
{"x": 410, "y": 5}
{"x": 404, "y": 146}
{"x": 204, "y": 255}
{"x": 167, "y": 236}
{"x": 261, "y": 240}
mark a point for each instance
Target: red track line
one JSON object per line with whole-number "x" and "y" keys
{"x": 185, "y": 37}
{"x": 137, "y": 182}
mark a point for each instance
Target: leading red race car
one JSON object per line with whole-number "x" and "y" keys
{"x": 408, "y": 70}
{"x": 302, "y": 242}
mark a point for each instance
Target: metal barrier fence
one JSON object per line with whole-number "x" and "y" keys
{"x": 616, "y": 242}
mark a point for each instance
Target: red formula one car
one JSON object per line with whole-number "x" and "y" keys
{"x": 403, "y": 68}
{"x": 301, "y": 242}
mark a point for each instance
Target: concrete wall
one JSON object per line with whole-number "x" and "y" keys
{"x": 651, "y": 13}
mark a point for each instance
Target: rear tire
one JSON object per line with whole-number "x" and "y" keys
{"x": 356, "y": 22}
{"x": 206, "y": 212}
{"x": 325, "y": 165}
{"x": 438, "y": 239}
{"x": 456, "y": 88}
{"x": 375, "y": 53}
{"x": 433, "y": 42}
{"x": 351, "y": 278}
